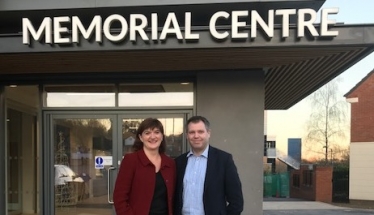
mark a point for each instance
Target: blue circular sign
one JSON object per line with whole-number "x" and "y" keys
{"x": 99, "y": 160}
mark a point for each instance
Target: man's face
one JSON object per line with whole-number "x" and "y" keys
{"x": 198, "y": 136}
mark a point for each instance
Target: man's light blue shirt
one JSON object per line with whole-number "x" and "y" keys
{"x": 193, "y": 183}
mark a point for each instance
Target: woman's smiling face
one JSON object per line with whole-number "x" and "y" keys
{"x": 151, "y": 138}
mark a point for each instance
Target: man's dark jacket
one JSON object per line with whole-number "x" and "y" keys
{"x": 222, "y": 188}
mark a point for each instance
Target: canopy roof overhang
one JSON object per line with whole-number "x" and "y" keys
{"x": 294, "y": 67}
{"x": 293, "y": 70}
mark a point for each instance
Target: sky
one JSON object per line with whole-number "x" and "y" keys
{"x": 279, "y": 124}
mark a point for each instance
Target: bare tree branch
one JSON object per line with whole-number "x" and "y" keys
{"x": 327, "y": 120}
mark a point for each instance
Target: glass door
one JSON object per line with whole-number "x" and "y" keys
{"x": 86, "y": 151}
{"x": 173, "y": 128}
{"x": 83, "y": 150}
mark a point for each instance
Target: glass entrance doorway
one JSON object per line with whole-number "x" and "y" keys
{"x": 85, "y": 153}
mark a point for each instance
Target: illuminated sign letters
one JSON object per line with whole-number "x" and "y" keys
{"x": 244, "y": 24}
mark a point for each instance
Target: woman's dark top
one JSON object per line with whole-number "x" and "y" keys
{"x": 159, "y": 204}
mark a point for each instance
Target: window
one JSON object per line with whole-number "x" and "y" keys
{"x": 308, "y": 178}
{"x": 296, "y": 180}
{"x": 80, "y": 96}
{"x": 151, "y": 95}
{"x": 127, "y": 95}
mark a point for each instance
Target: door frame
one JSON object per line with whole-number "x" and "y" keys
{"x": 47, "y": 154}
{"x": 24, "y": 110}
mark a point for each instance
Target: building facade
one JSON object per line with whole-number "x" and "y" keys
{"x": 76, "y": 78}
{"x": 294, "y": 148}
{"x": 361, "y": 186}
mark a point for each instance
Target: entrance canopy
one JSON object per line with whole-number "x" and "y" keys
{"x": 294, "y": 66}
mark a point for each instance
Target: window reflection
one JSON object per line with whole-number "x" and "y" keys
{"x": 156, "y": 99}
{"x": 80, "y": 95}
{"x": 162, "y": 94}
{"x": 173, "y": 129}
{"x": 130, "y": 95}
{"x": 80, "y": 100}
{"x": 78, "y": 183}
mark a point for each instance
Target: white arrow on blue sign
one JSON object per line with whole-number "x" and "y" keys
{"x": 99, "y": 162}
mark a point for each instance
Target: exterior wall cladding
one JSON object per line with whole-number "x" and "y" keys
{"x": 362, "y": 112}
{"x": 361, "y": 188}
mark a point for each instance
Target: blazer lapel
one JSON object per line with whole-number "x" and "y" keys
{"x": 211, "y": 165}
{"x": 184, "y": 165}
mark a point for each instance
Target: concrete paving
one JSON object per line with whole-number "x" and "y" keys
{"x": 300, "y": 207}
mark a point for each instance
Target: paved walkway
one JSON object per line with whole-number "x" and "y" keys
{"x": 299, "y": 207}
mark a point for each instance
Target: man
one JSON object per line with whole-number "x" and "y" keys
{"x": 207, "y": 179}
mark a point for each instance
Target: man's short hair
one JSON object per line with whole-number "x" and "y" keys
{"x": 196, "y": 119}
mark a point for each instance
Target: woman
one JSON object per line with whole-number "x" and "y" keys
{"x": 146, "y": 178}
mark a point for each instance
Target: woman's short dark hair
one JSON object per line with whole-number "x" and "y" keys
{"x": 149, "y": 123}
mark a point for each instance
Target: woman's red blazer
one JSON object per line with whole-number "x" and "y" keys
{"x": 135, "y": 183}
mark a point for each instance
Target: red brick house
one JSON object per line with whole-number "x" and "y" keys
{"x": 361, "y": 176}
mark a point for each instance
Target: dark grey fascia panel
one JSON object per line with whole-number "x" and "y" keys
{"x": 11, "y": 5}
{"x": 348, "y": 35}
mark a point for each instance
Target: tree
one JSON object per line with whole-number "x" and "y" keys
{"x": 341, "y": 157}
{"x": 327, "y": 121}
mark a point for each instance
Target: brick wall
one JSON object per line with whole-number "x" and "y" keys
{"x": 324, "y": 184}
{"x": 362, "y": 112}
{"x": 362, "y": 139}
{"x": 315, "y": 183}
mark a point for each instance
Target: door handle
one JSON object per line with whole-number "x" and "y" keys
{"x": 110, "y": 201}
